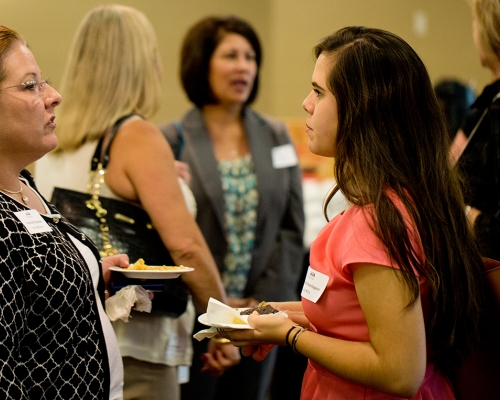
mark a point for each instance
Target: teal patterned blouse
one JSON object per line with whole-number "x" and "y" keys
{"x": 239, "y": 184}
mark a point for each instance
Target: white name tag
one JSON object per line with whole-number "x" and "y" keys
{"x": 33, "y": 221}
{"x": 176, "y": 346}
{"x": 284, "y": 156}
{"x": 315, "y": 285}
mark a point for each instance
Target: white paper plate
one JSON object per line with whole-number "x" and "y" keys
{"x": 151, "y": 274}
{"x": 203, "y": 320}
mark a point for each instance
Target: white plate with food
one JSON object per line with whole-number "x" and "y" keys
{"x": 159, "y": 273}
{"x": 240, "y": 324}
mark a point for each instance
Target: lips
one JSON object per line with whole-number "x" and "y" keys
{"x": 51, "y": 122}
{"x": 239, "y": 83}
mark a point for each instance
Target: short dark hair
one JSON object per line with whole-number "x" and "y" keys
{"x": 198, "y": 46}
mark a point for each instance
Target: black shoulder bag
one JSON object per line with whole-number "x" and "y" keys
{"x": 121, "y": 227}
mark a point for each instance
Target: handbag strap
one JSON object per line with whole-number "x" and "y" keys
{"x": 101, "y": 156}
{"x": 180, "y": 139}
{"x": 98, "y": 166}
{"x": 473, "y": 132}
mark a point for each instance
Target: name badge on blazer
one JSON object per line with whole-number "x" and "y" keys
{"x": 284, "y": 156}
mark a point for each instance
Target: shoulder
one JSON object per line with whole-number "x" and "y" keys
{"x": 264, "y": 119}
{"x": 139, "y": 132}
{"x": 138, "y": 125}
{"x": 137, "y": 141}
{"x": 192, "y": 120}
{"x": 277, "y": 128}
{"x": 172, "y": 131}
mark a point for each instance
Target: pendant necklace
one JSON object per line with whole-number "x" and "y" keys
{"x": 24, "y": 198}
{"x": 234, "y": 153}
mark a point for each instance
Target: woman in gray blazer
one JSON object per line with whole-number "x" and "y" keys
{"x": 247, "y": 184}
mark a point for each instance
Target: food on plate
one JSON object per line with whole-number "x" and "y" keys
{"x": 140, "y": 265}
{"x": 261, "y": 308}
{"x": 237, "y": 320}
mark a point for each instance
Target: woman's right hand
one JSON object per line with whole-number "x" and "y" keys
{"x": 183, "y": 171}
{"x": 269, "y": 330}
{"x": 219, "y": 358}
{"x": 472, "y": 213}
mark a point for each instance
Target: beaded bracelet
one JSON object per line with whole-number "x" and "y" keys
{"x": 296, "y": 337}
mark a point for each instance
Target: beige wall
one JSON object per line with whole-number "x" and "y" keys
{"x": 288, "y": 29}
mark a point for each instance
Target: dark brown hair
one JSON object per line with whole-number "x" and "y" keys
{"x": 392, "y": 138}
{"x": 199, "y": 44}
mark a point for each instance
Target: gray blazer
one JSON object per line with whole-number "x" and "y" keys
{"x": 277, "y": 257}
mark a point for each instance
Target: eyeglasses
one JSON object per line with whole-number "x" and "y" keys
{"x": 34, "y": 86}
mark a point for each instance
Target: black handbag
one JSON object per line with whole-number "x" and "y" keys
{"x": 121, "y": 227}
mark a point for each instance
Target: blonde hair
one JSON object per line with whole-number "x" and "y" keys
{"x": 113, "y": 69}
{"x": 486, "y": 13}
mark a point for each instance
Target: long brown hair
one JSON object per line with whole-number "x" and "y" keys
{"x": 392, "y": 138}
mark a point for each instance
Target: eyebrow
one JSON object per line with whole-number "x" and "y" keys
{"x": 317, "y": 86}
{"x": 29, "y": 76}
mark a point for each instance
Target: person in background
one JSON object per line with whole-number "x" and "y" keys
{"x": 455, "y": 99}
{"x": 113, "y": 73}
{"x": 390, "y": 304}
{"x": 56, "y": 339}
{"x": 247, "y": 186}
{"x": 476, "y": 146}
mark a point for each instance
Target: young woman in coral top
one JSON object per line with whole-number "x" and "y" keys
{"x": 391, "y": 299}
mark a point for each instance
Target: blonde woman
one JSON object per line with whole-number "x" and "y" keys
{"x": 474, "y": 144}
{"x": 114, "y": 72}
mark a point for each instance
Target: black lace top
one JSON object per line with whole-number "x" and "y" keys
{"x": 51, "y": 340}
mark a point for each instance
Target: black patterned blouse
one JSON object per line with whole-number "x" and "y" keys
{"x": 51, "y": 340}
{"x": 479, "y": 166}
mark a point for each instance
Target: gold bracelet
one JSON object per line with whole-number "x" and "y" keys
{"x": 220, "y": 340}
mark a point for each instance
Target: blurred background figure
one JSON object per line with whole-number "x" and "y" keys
{"x": 455, "y": 99}
{"x": 247, "y": 186}
{"x": 112, "y": 79}
{"x": 477, "y": 145}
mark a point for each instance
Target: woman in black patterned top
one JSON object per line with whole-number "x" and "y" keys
{"x": 55, "y": 339}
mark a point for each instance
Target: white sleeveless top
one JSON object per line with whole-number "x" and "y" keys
{"x": 147, "y": 337}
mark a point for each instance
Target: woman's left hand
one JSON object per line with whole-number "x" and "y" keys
{"x": 120, "y": 260}
{"x": 269, "y": 330}
{"x": 219, "y": 358}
